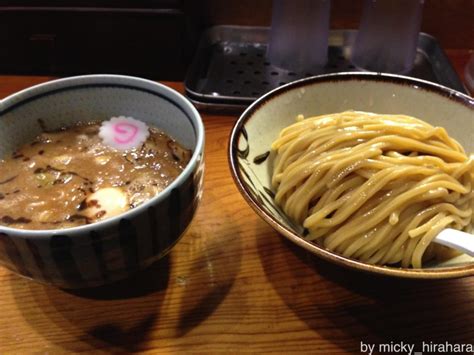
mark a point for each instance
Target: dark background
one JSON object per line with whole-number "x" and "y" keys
{"x": 157, "y": 38}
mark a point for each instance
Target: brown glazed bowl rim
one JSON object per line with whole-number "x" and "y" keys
{"x": 428, "y": 273}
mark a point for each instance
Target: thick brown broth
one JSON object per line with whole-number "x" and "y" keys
{"x": 69, "y": 177}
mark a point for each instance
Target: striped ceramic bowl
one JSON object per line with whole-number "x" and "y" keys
{"x": 109, "y": 250}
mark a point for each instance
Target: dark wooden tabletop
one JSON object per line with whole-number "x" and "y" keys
{"x": 233, "y": 284}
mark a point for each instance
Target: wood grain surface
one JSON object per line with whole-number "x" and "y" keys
{"x": 232, "y": 284}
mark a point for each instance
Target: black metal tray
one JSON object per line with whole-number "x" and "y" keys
{"x": 230, "y": 70}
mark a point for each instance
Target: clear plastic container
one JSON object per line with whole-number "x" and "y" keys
{"x": 299, "y": 34}
{"x": 388, "y": 36}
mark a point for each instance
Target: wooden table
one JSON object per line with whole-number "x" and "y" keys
{"x": 232, "y": 284}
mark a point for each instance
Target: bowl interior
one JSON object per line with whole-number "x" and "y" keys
{"x": 73, "y": 102}
{"x": 260, "y": 125}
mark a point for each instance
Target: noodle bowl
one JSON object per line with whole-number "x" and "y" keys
{"x": 378, "y": 188}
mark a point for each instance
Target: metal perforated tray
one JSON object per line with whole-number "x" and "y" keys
{"x": 230, "y": 69}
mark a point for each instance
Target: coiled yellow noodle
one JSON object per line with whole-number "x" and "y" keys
{"x": 374, "y": 187}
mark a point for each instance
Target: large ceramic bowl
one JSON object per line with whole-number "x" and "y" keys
{"x": 261, "y": 123}
{"x": 111, "y": 249}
